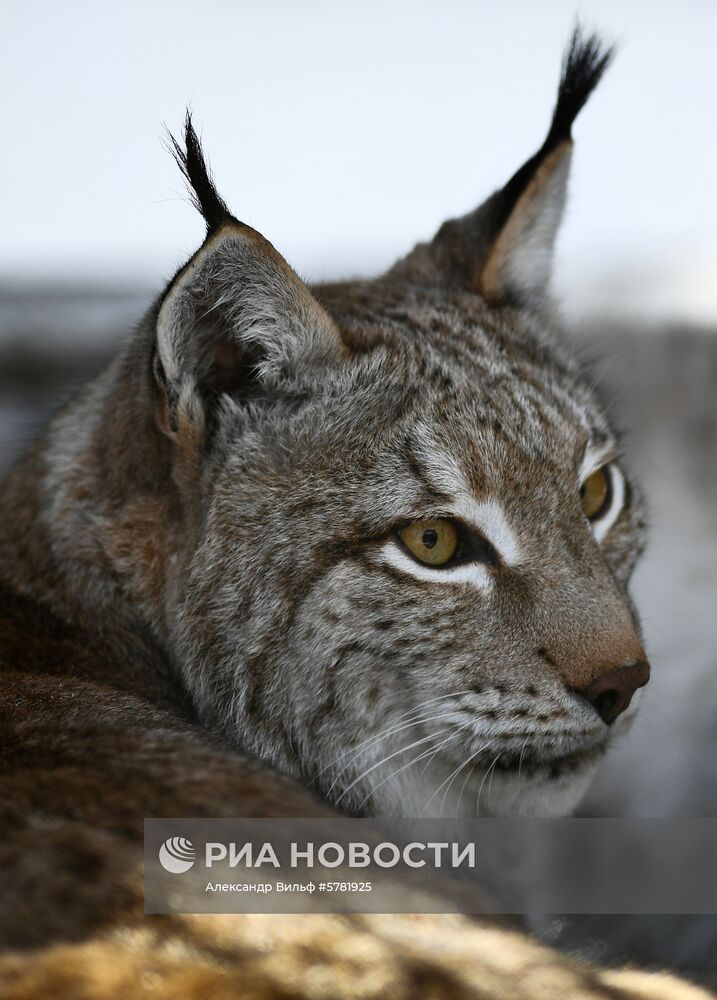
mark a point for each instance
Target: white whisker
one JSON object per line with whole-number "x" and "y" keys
{"x": 392, "y": 732}
{"x": 450, "y": 778}
{"x": 467, "y": 778}
{"x": 520, "y": 761}
{"x": 389, "y": 731}
{"x": 384, "y": 760}
{"x": 426, "y": 753}
{"x": 495, "y": 761}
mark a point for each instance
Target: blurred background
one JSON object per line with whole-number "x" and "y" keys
{"x": 346, "y": 132}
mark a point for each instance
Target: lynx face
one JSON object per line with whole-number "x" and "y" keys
{"x": 398, "y": 591}
{"x": 407, "y": 532}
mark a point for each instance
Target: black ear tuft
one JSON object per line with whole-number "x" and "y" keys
{"x": 584, "y": 63}
{"x": 503, "y": 250}
{"x": 204, "y": 194}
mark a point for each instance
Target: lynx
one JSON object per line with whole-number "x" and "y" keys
{"x": 290, "y": 544}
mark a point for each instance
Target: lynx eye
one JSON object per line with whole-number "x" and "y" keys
{"x": 432, "y": 542}
{"x": 595, "y": 493}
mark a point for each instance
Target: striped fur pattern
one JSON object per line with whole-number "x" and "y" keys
{"x": 441, "y": 390}
{"x": 203, "y": 562}
{"x": 230, "y": 492}
{"x": 307, "y": 631}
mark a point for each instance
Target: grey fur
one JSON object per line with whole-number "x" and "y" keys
{"x": 232, "y": 486}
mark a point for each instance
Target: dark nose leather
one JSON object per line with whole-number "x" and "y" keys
{"x": 611, "y": 692}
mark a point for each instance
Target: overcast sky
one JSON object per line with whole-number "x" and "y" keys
{"x": 346, "y": 131}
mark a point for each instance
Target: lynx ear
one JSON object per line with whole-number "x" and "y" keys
{"x": 236, "y": 318}
{"x": 504, "y": 249}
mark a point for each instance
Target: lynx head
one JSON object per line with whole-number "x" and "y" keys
{"x": 402, "y": 530}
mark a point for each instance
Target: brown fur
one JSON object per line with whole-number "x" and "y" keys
{"x": 89, "y": 745}
{"x": 125, "y": 577}
{"x": 307, "y": 957}
{"x": 96, "y": 733}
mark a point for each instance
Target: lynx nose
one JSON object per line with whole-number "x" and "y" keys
{"x": 612, "y": 692}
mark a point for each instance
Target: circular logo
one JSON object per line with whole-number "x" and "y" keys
{"x": 177, "y": 855}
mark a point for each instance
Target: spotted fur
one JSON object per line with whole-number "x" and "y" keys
{"x": 232, "y": 487}
{"x": 206, "y": 607}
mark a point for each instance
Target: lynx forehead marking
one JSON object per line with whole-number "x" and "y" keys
{"x": 593, "y": 459}
{"x": 489, "y": 518}
{"x": 486, "y": 516}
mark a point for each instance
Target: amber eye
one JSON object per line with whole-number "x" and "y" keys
{"x": 432, "y": 542}
{"x": 595, "y": 493}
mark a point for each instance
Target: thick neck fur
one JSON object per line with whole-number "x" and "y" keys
{"x": 256, "y": 564}
{"x": 86, "y": 518}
